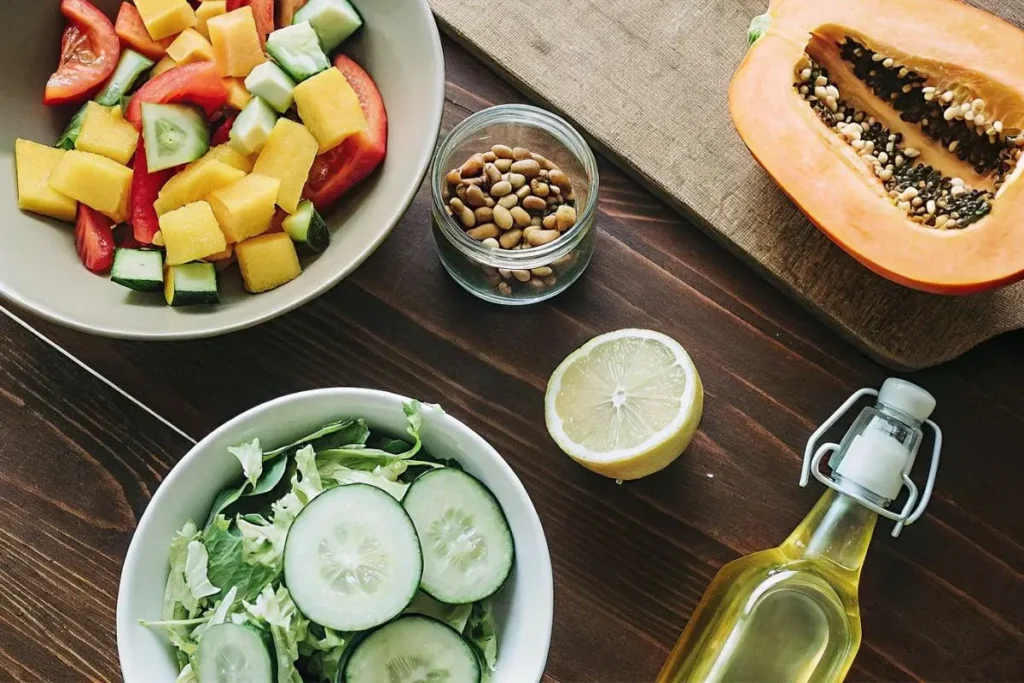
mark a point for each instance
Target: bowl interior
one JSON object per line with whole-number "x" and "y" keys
{"x": 400, "y": 48}
{"x": 523, "y": 607}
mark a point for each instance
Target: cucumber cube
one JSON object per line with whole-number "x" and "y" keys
{"x": 269, "y": 82}
{"x": 333, "y": 20}
{"x": 251, "y": 129}
{"x": 297, "y": 49}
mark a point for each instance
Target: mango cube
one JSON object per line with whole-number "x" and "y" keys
{"x": 165, "y": 64}
{"x": 165, "y": 17}
{"x": 330, "y": 108}
{"x": 189, "y": 47}
{"x": 206, "y": 11}
{"x": 238, "y": 95}
{"x": 244, "y": 208}
{"x": 225, "y": 153}
{"x": 104, "y": 131}
{"x": 267, "y": 261}
{"x": 288, "y": 155}
{"x": 236, "y": 43}
{"x": 96, "y": 181}
{"x": 35, "y": 162}
{"x": 191, "y": 233}
{"x": 195, "y": 183}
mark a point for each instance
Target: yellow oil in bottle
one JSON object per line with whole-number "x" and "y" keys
{"x": 785, "y": 615}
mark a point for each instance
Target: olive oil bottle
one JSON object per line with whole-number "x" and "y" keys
{"x": 790, "y": 614}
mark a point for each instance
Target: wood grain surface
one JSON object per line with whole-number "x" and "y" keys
{"x": 945, "y": 602}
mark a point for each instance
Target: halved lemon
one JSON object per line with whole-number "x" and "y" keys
{"x": 625, "y": 404}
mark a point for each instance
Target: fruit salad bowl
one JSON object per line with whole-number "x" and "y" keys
{"x": 399, "y": 47}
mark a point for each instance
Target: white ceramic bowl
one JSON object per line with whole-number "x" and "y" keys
{"x": 523, "y": 607}
{"x": 400, "y": 48}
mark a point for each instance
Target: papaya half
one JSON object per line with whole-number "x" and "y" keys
{"x": 897, "y": 127}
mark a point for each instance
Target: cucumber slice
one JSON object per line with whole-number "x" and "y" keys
{"x": 230, "y": 653}
{"x": 270, "y": 83}
{"x": 352, "y": 560}
{"x": 138, "y": 269}
{"x": 251, "y": 129}
{"x": 467, "y": 544}
{"x": 333, "y": 20}
{"x": 410, "y": 649}
{"x": 129, "y": 68}
{"x": 174, "y": 134}
{"x": 306, "y": 226}
{"x": 297, "y": 49}
{"x": 190, "y": 284}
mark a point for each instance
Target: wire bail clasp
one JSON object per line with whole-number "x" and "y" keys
{"x": 917, "y": 500}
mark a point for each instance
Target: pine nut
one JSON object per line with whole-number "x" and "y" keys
{"x": 503, "y": 165}
{"x": 453, "y": 177}
{"x": 532, "y": 203}
{"x": 464, "y": 213}
{"x": 544, "y": 162}
{"x": 501, "y": 189}
{"x": 492, "y": 173}
{"x": 491, "y": 243}
{"x": 565, "y": 216}
{"x": 502, "y": 217}
{"x": 550, "y": 222}
{"x": 520, "y": 153}
{"x": 541, "y": 189}
{"x": 542, "y": 271}
{"x": 475, "y": 197}
{"x": 521, "y": 275}
{"x": 510, "y": 239}
{"x": 519, "y": 216}
{"x": 540, "y": 237}
{"x": 483, "y": 214}
{"x": 508, "y": 201}
{"x": 504, "y": 289}
{"x": 517, "y": 180}
{"x": 482, "y": 232}
{"x": 473, "y": 166}
{"x": 523, "y": 192}
{"x": 528, "y": 167}
{"x": 490, "y": 157}
{"x": 502, "y": 151}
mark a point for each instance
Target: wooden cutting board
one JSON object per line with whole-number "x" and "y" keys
{"x": 647, "y": 81}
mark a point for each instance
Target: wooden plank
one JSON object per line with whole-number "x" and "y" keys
{"x": 78, "y": 463}
{"x": 944, "y": 602}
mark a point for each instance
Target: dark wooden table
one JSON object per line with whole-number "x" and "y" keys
{"x": 79, "y": 459}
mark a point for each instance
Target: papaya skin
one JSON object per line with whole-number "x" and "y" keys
{"x": 834, "y": 187}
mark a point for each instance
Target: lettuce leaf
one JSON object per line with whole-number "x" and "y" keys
{"x": 339, "y": 474}
{"x": 287, "y": 628}
{"x": 324, "y": 653}
{"x": 456, "y": 616}
{"x": 178, "y": 599}
{"x": 187, "y": 675}
{"x": 196, "y": 562}
{"x": 251, "y": 456}
{"x": 217, "y": 615}
{"x": 481, "y": 632}
{"x": 306, "y": 483}
{"x": 227, "y": 563}
{"x": 340, "y": 433}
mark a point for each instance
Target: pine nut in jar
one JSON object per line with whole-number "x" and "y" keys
{"x": 514, "y": 203}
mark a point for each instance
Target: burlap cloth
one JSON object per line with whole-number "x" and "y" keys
{"x": 647, "y": 81}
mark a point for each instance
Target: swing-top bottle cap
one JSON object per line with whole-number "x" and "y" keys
{"x": 907, "y": 397}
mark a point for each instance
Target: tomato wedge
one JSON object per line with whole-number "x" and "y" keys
{"x": 133, "y": 33}
{"x": 145, "y": 188}
{"x": 335, "y": 172}
{"x": 89, "y": 51}
{"x": 223, "y": 131}
{"x": 94, "y": 239}
{"x": 198, "y": 84}
{"x": 286, "y": 10}
{"x": 262, "y": 12}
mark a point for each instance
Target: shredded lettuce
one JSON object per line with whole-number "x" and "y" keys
{"x": 217, "y": 615}
{"x": 186, "y": 675}
{"x": 251, "y": 456}
{"x": 481, "y": 631}
{"x": 228, "y": 565}
{"x": 178, "y": 599}
{"x": 324, "y": 653}
{"x": 287, "y": 626}
{"x": 456, "y": 616}
{"x": 306, "y": 483}
{"x": 196, "y": 562}
{"x": 339, "y": 474}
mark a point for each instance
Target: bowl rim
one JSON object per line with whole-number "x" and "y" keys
{"x": 433, "y": 110}
{"x": 540, "y": 622}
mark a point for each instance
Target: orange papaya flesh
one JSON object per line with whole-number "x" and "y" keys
{"x": 897, "y": 127}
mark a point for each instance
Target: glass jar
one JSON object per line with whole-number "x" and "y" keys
{"x": 490, "y": 273}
